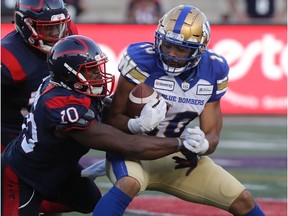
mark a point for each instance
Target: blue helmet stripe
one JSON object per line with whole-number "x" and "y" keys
{"x": 182, "y": 16}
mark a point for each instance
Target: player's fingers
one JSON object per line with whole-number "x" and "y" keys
{"x": 162, "y": 106}
{"x": 191, "y": 144}
{"x": 195, "y": 130}
{"x": 152, "y": 102}
{"x": 197, "y": 137}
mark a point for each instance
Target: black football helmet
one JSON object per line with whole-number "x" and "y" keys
{"x": 41, "y": 23}
{"x": 76, "y": 62}
{"x": 187, "y": 27}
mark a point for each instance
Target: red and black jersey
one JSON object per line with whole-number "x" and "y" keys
{"x": 37, "y": 155}
{"x": 22, "y": 71}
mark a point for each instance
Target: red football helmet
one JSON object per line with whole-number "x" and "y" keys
{"x": 41, "y": 23}
{"x": 77, "y": 62}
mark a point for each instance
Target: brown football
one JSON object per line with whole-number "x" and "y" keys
{"x": 138, "y": 97}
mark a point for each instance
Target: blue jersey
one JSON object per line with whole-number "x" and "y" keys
{"x": 37, "y": 155}
{"x": 185, "y": 94}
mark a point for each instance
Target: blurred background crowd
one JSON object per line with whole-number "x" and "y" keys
{"x": 252, "y": 12}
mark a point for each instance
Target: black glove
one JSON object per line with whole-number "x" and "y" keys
{"x": 190, "y": 161}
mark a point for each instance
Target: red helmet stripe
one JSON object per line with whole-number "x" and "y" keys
{"x": 83, "y": 51}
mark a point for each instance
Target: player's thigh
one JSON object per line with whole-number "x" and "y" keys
{"x": 116, "y": 169}
{"x": 79, "y": 193}
{"x": 10, "y": 196}
{"x": 208, "y": 183}
{"x": 17, "y": 198}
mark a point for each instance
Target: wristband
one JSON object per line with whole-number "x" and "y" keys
{"x": 134, "y": 126}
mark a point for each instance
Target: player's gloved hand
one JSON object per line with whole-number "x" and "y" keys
{"x": 151, "y": 115}
{"x": 190, "y": 161}
{"x": 194, "y": 140}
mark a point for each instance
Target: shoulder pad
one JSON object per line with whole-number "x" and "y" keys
{"x": 82, "y": 123}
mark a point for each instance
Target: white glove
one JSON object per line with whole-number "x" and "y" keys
{"x": 150, "y": 117}
{"x": 194, "y": 140}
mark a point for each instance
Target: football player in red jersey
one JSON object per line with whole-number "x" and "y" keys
{"x": 39, "y": 24}
{"x": 42, "y": 162}
{"x": 192, "y": 79}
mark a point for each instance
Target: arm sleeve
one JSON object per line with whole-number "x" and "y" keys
{"x": 221, "y": 69}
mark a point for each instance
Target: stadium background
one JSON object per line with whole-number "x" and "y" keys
{"x": 253, "y": 145}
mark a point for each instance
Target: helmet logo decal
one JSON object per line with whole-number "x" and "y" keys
{"x": 31, "y": 40}
{"x": 182, "y": 16}
{"x": 58, "y": 17}
{"x": 100, "y": 57}
{"x": 175, "y": 37}
{"x": 78, "y": 86}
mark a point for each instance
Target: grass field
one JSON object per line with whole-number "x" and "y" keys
{"x": 252, "y": 148}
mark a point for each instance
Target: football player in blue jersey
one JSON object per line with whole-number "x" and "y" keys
{"x": 42, "y": 162}
{"x": 39, "y": 24}
{"x": 192, "y": 79}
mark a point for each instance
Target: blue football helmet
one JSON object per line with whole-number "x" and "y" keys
{"x": 187, "y": 27}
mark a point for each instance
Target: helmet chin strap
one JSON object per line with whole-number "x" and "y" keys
{"x": 172, "y": 71}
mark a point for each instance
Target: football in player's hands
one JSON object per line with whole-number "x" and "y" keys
{"x": 138, "y": 97}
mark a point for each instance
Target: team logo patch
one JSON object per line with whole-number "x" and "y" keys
{"x": 204, "y": 89}
{"x": 164, "y": 84}
{"x": 185, "y": 86}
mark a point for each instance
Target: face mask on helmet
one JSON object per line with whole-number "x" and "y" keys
{"x": 93, "y": 79}
{"x": 181, "y": 39}
{"x": 41, "y": 23}
{"x": 77, "y": 63}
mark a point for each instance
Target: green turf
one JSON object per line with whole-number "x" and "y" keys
{"x": 245, "y": 136}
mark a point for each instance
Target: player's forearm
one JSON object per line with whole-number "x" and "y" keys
{"x": 142, "y": 147}
{"x": 150, "y": 148}
{"x": 213, "y": 140}
{"x": 119, "y": 121}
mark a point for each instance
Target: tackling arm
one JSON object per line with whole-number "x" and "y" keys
{"x": 106, "y": 138}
